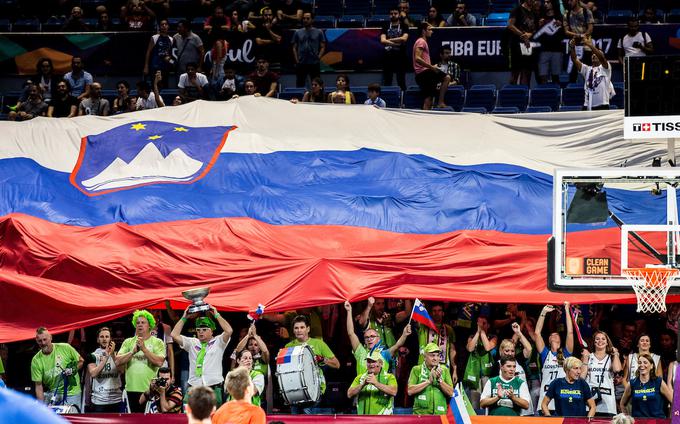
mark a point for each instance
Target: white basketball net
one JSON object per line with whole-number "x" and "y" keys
{"x": 651, "y": 287}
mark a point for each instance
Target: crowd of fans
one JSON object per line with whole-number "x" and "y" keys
{"x": 510, "y": 359}
{"x": 200, "y": 63}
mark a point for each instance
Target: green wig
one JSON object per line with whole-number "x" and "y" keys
{"x": 146, "y": 314}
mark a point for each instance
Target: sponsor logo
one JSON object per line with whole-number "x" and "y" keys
{"x": 656, "y": 126}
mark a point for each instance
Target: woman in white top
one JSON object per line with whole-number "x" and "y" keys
{"x": 552, "y": 356}
{"x": 599, "y": 368}
{"x": 644, "y": 345}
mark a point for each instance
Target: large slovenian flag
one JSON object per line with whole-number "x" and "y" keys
{"x": 287, "y": 205}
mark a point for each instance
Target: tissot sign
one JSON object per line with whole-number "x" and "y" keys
{"x": 652, "y": 127}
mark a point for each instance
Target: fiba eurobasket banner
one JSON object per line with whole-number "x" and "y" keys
{"x": 285, "y": 205}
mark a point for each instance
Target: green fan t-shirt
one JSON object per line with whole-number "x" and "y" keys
{"x": 47, "y": 369}
{"x": 139, "y": 370}
{"x": 372, "y": 401}
{"x": 431, "y": 401}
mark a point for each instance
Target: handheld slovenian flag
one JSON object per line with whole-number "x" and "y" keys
{"x": 257, "y": 313}
{"x": 574, "y": 316}
{"x": 419, "y": 314}
{"x": 460, "y": 408}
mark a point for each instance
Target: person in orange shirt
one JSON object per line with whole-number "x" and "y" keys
{"x": 239, "y": 411}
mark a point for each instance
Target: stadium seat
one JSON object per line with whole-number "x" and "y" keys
{"x": 172, "y": 22}
{"x": 545, "y": 97}
{"x": 416, "y": 18}
{"x": 497, "y": 19}
{"x": 618, "y": 16}
{"x": 292, "y": 92}
{"x": 168, "y": 95}
{"x": 443, "y": 109}
{"x": 90, "y": 22}
{"x": 658, "y": 12}
{"x": 506, "y": 110}
{"x": 484, "y": 86}
{"x": 619, "y": 98}
{"x": 418, "y": 7}
{"x": 673, "y": 16}
{"x": 357, "y": 7}
{"x": 328, "y": 7}
{"x": 565, "y": 108}
{"x": 5, "y": 26}
{"x": 513, "y": 96}
{"x": 197, "y": 24}
{"x": 538, "y": 109}
{"x": 360, "y": 94}
{"x": 474, "y": 110}
{"x": 573, "y": 95}
{"x": 377, "y": 21}
{"x": 324, "y": 21}
{"x": 351, "y": 21}
{"x": 53, "y": 24}
{"x": 503, "y": 5}
{"x": 412, "y": 97}
{"x": 26, "y": 25}
{"x": 391, "y": 95}
{"x": 455, "y": 97}
{"x": 478, "y": 97}
{"x": 479, "y": 18}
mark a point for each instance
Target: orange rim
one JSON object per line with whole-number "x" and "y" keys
{"x": 654, "y": 277}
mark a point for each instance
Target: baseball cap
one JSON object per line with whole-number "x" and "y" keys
{"x": 205, "y": 322}
{"x": 431, "y": 347}
{"x": 374, "y": 356}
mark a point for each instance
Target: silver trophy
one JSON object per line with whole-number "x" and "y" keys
{"x": 196, "y": 297}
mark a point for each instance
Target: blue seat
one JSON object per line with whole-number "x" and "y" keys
{"x": 619, "y": 98}
{"x": 565, "y": 108}
{"x": 292, "y": 92}
{"x": 573, "y": 96}
{"x": 416, "y": 18}
{"x": 497, "y": 19}
{"x": 513, "y": 96}
{"x": 480, "y": 98}
{"x": 474, "y": 110}
{"x": 197, "y": 24}
{"x": 53, "y": 24}
{"x": 172, "y": 23}
{"x": 5, "y": 26}
{"x": 455, "y": 97}
{"x": 391, "y": 95}
{"x": 619, "y": 16}
{"x": 506, "y": 109}
{"x": 90, "y": 22}
{"x": 361, "y": 93}
{"x": 377, "y": 21}
{"x": 168, "y": 95}
{"x": 26, "y": 25}
{"x": 443, "y": 109}
{"x": 503, "y": 5}
{"x": 545, "y": 97}
{"x": 328, "y": 7}
{"x": 351, "y": 21}
{"x": 673, "y": 16}
{"x": 324, "y": 21}
{"x": 483, "y": 86}
{"x": 412, "y": 97}
{"x": 539, "y": 109}
{"x": 357, "y": 7}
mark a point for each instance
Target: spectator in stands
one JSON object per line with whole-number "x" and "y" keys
{"x": 372, "y": 343}
{"x": 46, "y": 79}
{"x": 192, "y": 84}
{"x": 268, "y": 36}
{"x": 600, "y": 367}
{"x": 52, "y": 366}
{"x": 448, "y": 66}
{"x": 78, "y": 78}
{"x": 301, "y": 329}
{"x": 644, "y": 345}
{"x": 428, "y": 75}
{"x": 258, "y": 349}
{"x": 123, "y": 88}
{"x": 266, "y": 81}
{"x": 162, "y": 397}
{"x": 130, "y": 105}
{"x": 106, "y": 392}
{"x": 248, "y": 89}
{"x": 289, "y": 14}
{"x": 649, "y": 16}
{"x": 256, "y": 14}
{"x": 75, "y": 23}
{"x": 461, "y": 17}
{"x": 309, "y": 45}
{"x": 553, "y": 355}
{"x": 142, "y": 356}
{"x": 233, "y": 83}
{"x": 430, "y": 383}
{"x": 200, "y": 405}
{"x": 94, "y": 104}
{"x": 377, "y": 317}
{"x": 159, "y": 53}
{"x": 205, "y": 351}
{"x": 393, "y": 37}
{"x": 635, "y": 43}
{"x": 239, "y": 25}
{"x": 647, "y": 390}
{"x": 506, "y": 394}
{"x": 479, "y": 365}
{"x": 509, "y": 349}
{"x": 404, "y": 17}
{"x": 240, "y": 410}
{"x": 189, "y": 47}
{"x": 578, "y": 24}
{"x": 33, "y": 106}
{"x": 435, "y": 18}
{"x": 342, "y": 93}
{"x": 63, "y": 105}
{"x": 138, "y": 16}
{"x": 375, "y": 388}
{"x": 598, "y": 86}
{"x": 245, "y": 359}
{"x": 160, "y": 8}
{"x": 215, "y": 61}
{"x": 522, "y": 25}
{"x": 374, "y": 96}
{"x": 598, "y": 17}
{"x": 145, "y": 98}
{"x": 550, "y": 35}
{"x": 444, "y": 337}
{"x": 104, "y": 23}
{"x": 216, "y": 25}
{"x": 571, "y": 393}
{"x": 316, "y": 94}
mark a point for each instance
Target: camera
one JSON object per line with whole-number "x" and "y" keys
{"x": 161, "y": 382}
{"x": 637, "y": 45}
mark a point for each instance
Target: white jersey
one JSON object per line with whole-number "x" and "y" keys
{"x": 519, "y": 373}
{"x": 600, "y": 375}
{"x": 550, "y": 371}
{"x": 633, "y": 364}
{"x": 106, "y": 387}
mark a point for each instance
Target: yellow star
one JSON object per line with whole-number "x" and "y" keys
{"x": 138, "y": 127}
{"x": 155, "y": 137}
{"x": 181, "y": 129}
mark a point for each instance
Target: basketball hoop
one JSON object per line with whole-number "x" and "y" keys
{"x": 651, "y": 287}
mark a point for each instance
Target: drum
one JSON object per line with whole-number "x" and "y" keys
{"x": 64, "y": 409}
{"x": 298, "y": 375}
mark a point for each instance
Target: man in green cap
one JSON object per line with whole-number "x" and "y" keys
{"x": 430, "y": 383}
{"x": 376, "y": 389}
{"x": 205, "y": 351}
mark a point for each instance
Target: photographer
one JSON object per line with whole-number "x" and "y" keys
{"x": 635, "y": 42}
{"x": 163, "y": 397}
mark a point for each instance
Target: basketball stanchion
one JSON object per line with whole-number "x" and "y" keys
{"x": 651, "y": 286}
